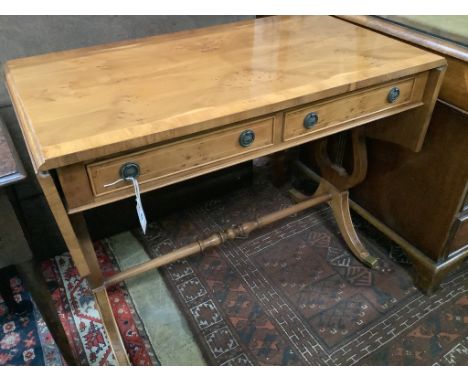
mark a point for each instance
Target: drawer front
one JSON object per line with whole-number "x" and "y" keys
{"x": 363, "y": 103}
{"x": 187, "y": 155}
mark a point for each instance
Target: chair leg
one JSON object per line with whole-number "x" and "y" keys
{"x": 36, "y": 285}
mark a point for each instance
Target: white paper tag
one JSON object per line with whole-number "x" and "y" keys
{"x": 139, "y": 206}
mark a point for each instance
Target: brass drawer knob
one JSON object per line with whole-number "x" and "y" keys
{"x": 246, "y": 138}
{"x": 129, "y": 170}
{"x": 310, "y": 120}
{"x": 393, "y": 94}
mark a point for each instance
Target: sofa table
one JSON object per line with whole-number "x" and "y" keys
{"x": 103, "y": 121}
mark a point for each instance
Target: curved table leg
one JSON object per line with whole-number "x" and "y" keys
{"x": 340, "y": 207}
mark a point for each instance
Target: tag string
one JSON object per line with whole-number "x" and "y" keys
{"x": 136, "y": 186}
{"x": 139, "y": 205}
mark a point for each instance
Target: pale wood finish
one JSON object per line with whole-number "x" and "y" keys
{"x": 88, "y": 103}
{"x": 78, "y": 222}
{"x": 63, "y": 222}
{"x": 75, "y": 234}
{"x": 185, "y": 97}
{"x": 76, "y": 186}
{"x": 79, "y": 195}
{"x": 182, "y": 155}
{"x": 96, "y": 279}
{"x": 78, "y": 190}
{"x": 163, "y": 164}
{"x": 400, "y": 128}
{"x": 108, "y": 319}
{"x": 82, "y": 252}
{"x": 454, "y": 89}
{"x": 353, "y": 106}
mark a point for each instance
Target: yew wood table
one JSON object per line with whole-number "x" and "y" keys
{"x": 162, "y": 109}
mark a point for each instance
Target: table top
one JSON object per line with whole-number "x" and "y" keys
{"x": 11, "y": 168}
{"x": 86, "y": 103}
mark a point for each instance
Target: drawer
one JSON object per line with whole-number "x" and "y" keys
{"x": 353, "y": 107}
{"x": 184, "y": 156}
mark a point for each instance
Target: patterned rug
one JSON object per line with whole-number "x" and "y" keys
{"x": 26, "y": 340}
{"x": 292, "y": 294}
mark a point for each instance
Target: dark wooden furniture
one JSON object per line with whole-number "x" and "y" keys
{"x": 14, "y": 250}
{"x": 422, "y": 201}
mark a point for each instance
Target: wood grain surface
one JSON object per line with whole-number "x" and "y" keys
{"x": 88, "y": 103}
{"x": 180, "y": 156}
{"x": 353, "y": 106}
{"x": 454, "y": 89}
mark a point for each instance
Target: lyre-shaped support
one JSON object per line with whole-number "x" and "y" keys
{"x": 336, "y": 174}
{"x": 336, "y": 181}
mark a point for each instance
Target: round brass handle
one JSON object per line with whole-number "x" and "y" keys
{"x": 246, "y": 138}
{"x": 129, "y": 170}
{"x": 393, "y": 94}
{"x": 310, "y": 120}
